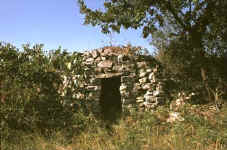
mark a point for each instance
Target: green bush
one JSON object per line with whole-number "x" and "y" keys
{"x": 32, "y": 87}
{"x": 193, "y": 71}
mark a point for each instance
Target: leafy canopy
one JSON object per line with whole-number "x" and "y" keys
{"x": 197, "y": 21}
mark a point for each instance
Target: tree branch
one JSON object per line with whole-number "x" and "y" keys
{"x": 177, "y": 18}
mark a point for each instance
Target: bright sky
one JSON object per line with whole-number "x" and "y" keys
{"x": 57, "y": 23}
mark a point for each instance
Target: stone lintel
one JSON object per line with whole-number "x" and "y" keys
{"x": 108, "y": 75}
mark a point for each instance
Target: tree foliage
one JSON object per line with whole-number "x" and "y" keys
{"x": 190, "y": 33}
{"x": 196, "y": 20}
{"x": 33, "y": 91}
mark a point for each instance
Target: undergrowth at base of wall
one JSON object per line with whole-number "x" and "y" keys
{"x": 137, "y": 130}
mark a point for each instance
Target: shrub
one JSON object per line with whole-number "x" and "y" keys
{"x": 33, "y": 94}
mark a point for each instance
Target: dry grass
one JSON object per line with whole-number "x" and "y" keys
{"x": 141, "y": 131}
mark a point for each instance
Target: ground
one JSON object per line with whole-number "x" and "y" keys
{"x": 203, "y": 128}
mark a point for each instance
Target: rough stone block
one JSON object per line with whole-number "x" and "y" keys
{"x": 89, "y": 61}
{"x": 80, "y": 96}
{"x": 98, "y": 59}
{"x": 125, "y": 94}
{"x": 157, "y": 92}
{"x": 94, "y": 54}
{"x": 149, "y": 98}
{"x": 105, "y": 64}
{"x": 93, "y": 88}
{"x": 103, "y": 58}
{"x": 146, "y": 86}
{"x": 143, "y": 80}
{"x": 137, "y": 86}
{"x": 142, "y": 74}
{"x": 140, "y": 99}
{"x": 107, "y": 52}
{"x": 117, "y": 68}
{"x": 123, "y": 87}
{"x": 151, "y": 76}
{"x": 141, "y": 64}
{"x": 149, "y": 70}
{"x": 120, "y": 58}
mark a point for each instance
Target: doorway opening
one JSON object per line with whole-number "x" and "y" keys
{"x": 110, "y": 98}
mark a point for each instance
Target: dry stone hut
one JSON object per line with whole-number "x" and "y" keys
{"x": 122, "y": 77}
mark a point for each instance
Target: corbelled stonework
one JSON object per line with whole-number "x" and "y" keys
{"x": 141, "y": 80}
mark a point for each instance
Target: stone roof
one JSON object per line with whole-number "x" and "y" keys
{"x": 109, "y": 61}
{"x": 111, "y": 51}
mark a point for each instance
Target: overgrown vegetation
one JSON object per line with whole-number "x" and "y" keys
{"x": 38, "y": 112}
{"x": 137, "y": 130}
{"x": 35, "y": 95}
{"x": 39, "y": 108}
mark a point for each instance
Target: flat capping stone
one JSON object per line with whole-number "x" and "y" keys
{"x": 108, "y": 75}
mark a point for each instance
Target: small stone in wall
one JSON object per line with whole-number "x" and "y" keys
{"x": 105, "y": 64}
{"x": 149, "y": 99}
{"x": 93, "y": 88}
{"x": 89, "y": 61}
{"x": 146, "y": 86}
{"x": 137, "y": 87}
{"x": 141, "y": 64}
{"x": 149, "y": 93}
{"x": 98, "y": 59}
{"x": 86, "y": 54}
{"x": 155, "y": 69}
{"x": 120, "y": 58}
{"x": 117, "y": 68}
{"x": 107, "y": 52}
{"x": 133, "y": 75}
{"x": 157, "y": 92}
{"x": 142, "y": 74}
{"x": 140, "y": 99}
{"x": 103, "y": 58}
{"x": 143, "y": 80}
{"x": 100, "y": 50}
{"x": 149, "y": 70}
{"x": 141, "y": 70}
{"x": 151, "y": 76}
{"x": 123, "y": 87}
{"x": 80, "y": 96}
{"x": 94, "y": 54}
{"x": 81, "y": 85}
{"x": 125, "y": 94}
{"x": 108, "y": 70}
{"x": 92, "y": 96}
{"x": 152, "y": 105}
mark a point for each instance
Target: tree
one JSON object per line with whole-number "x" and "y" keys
{"x": 195, "y": 20}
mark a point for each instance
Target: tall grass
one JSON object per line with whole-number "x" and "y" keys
{"x": 137, "y": 131}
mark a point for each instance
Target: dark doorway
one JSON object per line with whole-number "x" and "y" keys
{"x": 110, "y": 98}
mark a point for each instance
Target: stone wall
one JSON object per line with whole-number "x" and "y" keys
{"x": 141, "y": 80}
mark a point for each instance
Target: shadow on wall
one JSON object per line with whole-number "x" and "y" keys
{"x": 110, "y": 98}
